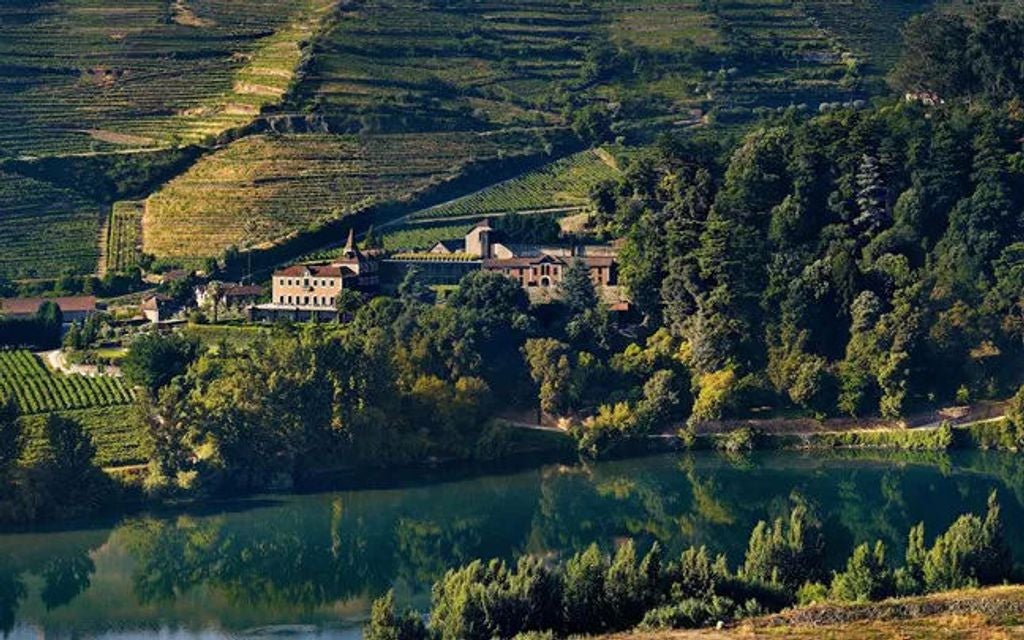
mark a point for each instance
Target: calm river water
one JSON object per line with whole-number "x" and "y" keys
{"x": 309, "y": 565}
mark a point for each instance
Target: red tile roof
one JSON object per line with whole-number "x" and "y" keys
{"x": 154, "y": 302}
{"x": 29, "y": 306}
{"x": 314, "y": 270}
{"x": 243, "y": 290}
{"x": 513, "y": 263}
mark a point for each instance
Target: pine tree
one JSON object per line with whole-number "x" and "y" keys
{"x": 872, "y": 197}
{"x": 585, "y": 605}
{"x": 866, "y": 577}
{"x": 577, "y": 289}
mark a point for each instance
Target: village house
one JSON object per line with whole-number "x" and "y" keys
{"x": 232, "y": 295}
{"x": 73, "y": 308}
{"x": 310, "y": 291}
{"x": 159, "y": 308}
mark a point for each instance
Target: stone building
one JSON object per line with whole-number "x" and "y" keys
{"x": 533, "y": 266}
{"x": 310, "y": 291}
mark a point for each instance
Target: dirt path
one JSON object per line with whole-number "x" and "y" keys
{"x": 58, "y": 362}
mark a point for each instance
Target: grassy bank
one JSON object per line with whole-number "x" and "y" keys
{"x": 981, "y": 613}
{"x": 987, "y": 435}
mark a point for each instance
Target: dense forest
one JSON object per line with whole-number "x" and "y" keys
{"x": 838, "y": 263}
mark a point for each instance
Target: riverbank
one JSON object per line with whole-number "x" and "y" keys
{"x": 995, "y": 612}
{"x": 217, "y": 569}
{"x": 988, "y": 434}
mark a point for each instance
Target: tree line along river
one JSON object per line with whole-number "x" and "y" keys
{"x": 311, "y": 564}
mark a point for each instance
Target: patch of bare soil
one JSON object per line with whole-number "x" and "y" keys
{"x": 985, "y": 614}
{"x": 183, "y": 14}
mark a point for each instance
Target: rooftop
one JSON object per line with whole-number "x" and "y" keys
{"x": 315, "y": 270}
{"x": 29, "y": 306}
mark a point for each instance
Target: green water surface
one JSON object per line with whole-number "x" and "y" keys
{"x": 309, "y": 565}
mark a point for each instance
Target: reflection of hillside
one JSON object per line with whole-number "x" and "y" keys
{"x": 318, "y": 559}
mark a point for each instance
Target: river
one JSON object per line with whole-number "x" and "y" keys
{"x": 310, "y": 565}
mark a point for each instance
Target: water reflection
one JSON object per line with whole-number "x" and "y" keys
{"x": 318, "y": 560}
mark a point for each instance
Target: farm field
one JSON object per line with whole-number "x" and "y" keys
{"x": 37, "y": 389}
{"x": 45, "y": 231}
{"x": 101, "y": 75}
{"x": 124, "y": 240}
{"x": 564, "y": 183}
{"x": 262, "y": 188}
{"x": 115, "y": 432}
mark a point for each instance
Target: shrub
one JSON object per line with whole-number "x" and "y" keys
{"x": 742, "y": 439}
{"x": 384, "y": 624}
{"x": 971, "y": 552}
{"x": 695, "y": 576}
{"x": 691, "y": 613}
{"x": 787, "y": 552}
{"x": 866, "y": 577}
{"x": 811, "y": 593}
{"x": 585, "y": 605}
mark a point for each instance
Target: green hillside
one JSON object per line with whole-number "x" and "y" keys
{"x": 45, "y": 231}
{"x": 407, "y": 65}
{"x": 99, "y": 77}
{"x": 564, "y": 184}
{"x": 104, "y": 75}
{"x": 262, "y": 188}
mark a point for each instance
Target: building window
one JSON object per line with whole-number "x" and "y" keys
{"x": 306, "y": 301}
{"x": 305, "y": 282}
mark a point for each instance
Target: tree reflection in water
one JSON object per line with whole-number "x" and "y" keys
{"x": 331, "y": 552}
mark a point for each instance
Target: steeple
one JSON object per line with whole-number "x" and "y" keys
{"x": 350, "y": 245}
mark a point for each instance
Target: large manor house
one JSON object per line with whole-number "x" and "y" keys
{"x": 311, "y": 291}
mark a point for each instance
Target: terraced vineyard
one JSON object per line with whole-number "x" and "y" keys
{"x": 408, "y": 65}
{"x": 100, "y": 75}
{"x": 731, "y": 58}
{"x": 39, "y": 390}
{"x": 124, "y": 237}
{"x": 870, "y": 27}
{"x": 262, "y": 188}
{"x": 45, "y": 231}
{"x": 562, "y": 184}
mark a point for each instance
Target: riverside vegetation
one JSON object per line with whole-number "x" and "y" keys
{"x": 594, "y": 593}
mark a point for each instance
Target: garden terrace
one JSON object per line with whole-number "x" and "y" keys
{"x": 263, "y": 188}
{"x": 404, "y": 65}
{"x": 564, "y": 184}
{"x": 99, "y": 75}
{"x": 421, "y": 238}
{"x": 37, "y": 389}
{"x": 45, "y": 231}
